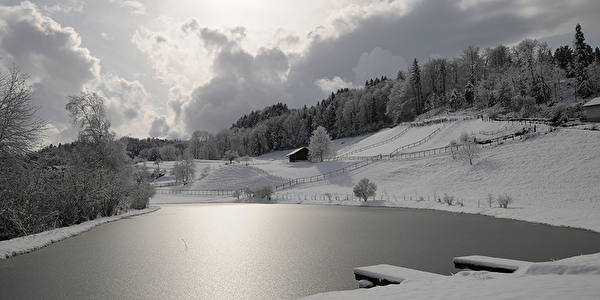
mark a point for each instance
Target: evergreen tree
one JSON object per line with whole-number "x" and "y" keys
{"x": 564, "y": 58}
{"x": 583, "y": 58}
{"x": 415, "y": 82}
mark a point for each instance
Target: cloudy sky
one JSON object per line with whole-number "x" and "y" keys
{"x": 170, "y": 67}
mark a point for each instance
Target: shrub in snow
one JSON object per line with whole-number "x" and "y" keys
{"x": 328, "y": 196}
{"x": 264, "y": 192}
{"x": 558, "y": 114}
{"x": 249, "y": 192}
{"x": 237, "y": 194}
{"x": 141, "y": 196}
{"x": 504, "y": 200}
{"x": 365, "y": 189}
{"x": 448, "y": 199}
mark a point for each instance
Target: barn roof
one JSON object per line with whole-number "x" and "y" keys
{"x": 593, "y": 102}
{"x": 296, "y": 151}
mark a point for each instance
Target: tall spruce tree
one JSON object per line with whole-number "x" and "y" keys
{"x": 415, "y": 81}
{"x": 583, "y": 57}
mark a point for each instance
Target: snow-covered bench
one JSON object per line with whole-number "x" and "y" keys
{"x": 486, "y": 263}
{"x": 387, "y": 274}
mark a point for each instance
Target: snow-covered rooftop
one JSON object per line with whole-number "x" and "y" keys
{"x": 593, "y": 102}
{"x": 295, "y": 151}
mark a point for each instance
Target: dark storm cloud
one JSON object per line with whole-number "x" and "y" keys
{"x": 52, "y": 56}
{"x": 429, "y": 28}
{"x": 242, "y": 82}
{"x": 159, "y": 127}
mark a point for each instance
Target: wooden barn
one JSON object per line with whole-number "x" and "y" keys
{"x": 592, "y": 110}
{"x": 299, "y": 154}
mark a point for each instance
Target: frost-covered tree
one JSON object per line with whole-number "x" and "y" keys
{"x": 231, "y": 155}
{"x": 103, "y": 175}
{"x": 469, "y": 92}
{"x": 184, "y": 170}
{"x": 22, "y": 183}
{"x": 320, "y": 145}
{"x": 20, "y": 128}
{"x": 472, "y": 61}
{"x": 169, "y": 153}
{"x": 401, "y": 105}
{"x": 365, "y": 189}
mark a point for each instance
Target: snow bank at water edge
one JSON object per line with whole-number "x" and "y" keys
{"x": 22, "y": 245}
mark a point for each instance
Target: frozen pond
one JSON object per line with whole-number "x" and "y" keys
{"x": 262, "y": 251}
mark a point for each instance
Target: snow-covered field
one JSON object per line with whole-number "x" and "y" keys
{"x": 553, "y": 177}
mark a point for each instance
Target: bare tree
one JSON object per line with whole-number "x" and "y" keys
{"x": 468, "y": 148}
{"x": 21, "y": 182}
{"x": 88, "y": 111}
{"x": 102, "y": 163}
{"x": 197, "y": 143}
{"x": 20, "y": 129}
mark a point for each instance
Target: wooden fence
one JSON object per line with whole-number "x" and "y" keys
{"x": 412, "y": 124}
{"x": 195, "y": 192}
{"x": 375, "y": 145}
{"x": 427, "y": 138}
{"x": 320, "y": 177}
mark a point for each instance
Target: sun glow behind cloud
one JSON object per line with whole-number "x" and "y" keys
{"x": 176, "y": 66}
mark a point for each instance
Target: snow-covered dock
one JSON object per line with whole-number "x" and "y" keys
{"x": 486, "y": 263}
{"x": 387, "y": 274}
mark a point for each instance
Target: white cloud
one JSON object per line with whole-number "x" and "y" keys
{"x": 105, "y": 36}
{"x": 175, "y": 53}
{"x": 213, "y": 79}
{"x": 212, "y": 72}
{"x": 331, "y": 85}
{"x": 137, "y": 7}
{"x": 159, "y": 127}
{"x": 53, "y": 57}
{"x": 349, "y": 19}
{"x": 63, "y": 8}
{"x": 378, "y": 63}
{"x": 128, "y": 107}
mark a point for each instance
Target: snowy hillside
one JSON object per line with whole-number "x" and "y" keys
{"x": 546, "y": 175}
{"x": 551, "y": 175}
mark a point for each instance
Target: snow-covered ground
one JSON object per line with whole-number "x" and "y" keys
{"x": 553, "y": 177}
